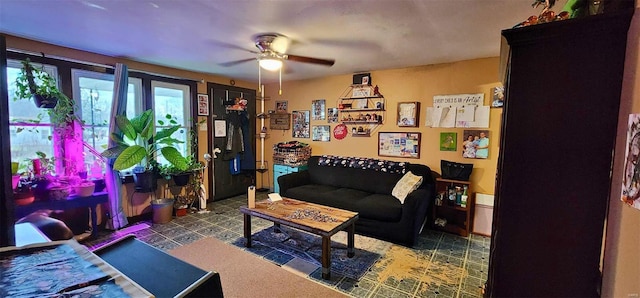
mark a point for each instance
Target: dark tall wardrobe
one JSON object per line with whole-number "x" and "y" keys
{"x": 559, "y": 123}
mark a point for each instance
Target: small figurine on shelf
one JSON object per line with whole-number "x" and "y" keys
{"x": 376, "y": 92}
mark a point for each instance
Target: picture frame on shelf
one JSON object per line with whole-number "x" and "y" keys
{"x": 399, "y": 144}
{"x": 203, "y": 104}
{"x": 408, "y": 113}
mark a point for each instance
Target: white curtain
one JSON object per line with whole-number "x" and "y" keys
{"x": 117, "y": 218}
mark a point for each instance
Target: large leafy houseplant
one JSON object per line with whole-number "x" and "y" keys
{"x": 140, "y": 144}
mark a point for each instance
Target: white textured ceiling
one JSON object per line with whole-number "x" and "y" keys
{"x": 201, "y": 35}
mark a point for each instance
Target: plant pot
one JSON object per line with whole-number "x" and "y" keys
{"x": 45, "y": 102}
{"x": 23, "y": 198}
{"x": 181, "y": 212}
{"x": 59, "y": 193}
{"x": 85, "y": 189}
{"x": 145, "y": 181}
{"x": 162, "y": 210}
{"x": 99, "y": 184}
{"x": 181, "y": 179}
{"x": 15, "y": 180}
{"x": 40, "y": 189}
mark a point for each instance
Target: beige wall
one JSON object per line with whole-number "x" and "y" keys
{"x": 398, "y": 85}
{"x": 622, "y": 247}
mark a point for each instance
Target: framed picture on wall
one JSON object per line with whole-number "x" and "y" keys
{"x": 300, "y": 124}
{"x": 448, "y": 141}
{"x": 399, "y": 144}
{"x": 475, "y": 144}
{"x": 203, "y": 105}
{"x": 321, "y": 133}
{"x": 332, "y": 115}
{"x": 281, "y": 106}
{"x": 408, "y": 114}
{"x": 317, "y": 106}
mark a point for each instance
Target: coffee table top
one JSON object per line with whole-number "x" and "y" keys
{"x": 304, "y": 215}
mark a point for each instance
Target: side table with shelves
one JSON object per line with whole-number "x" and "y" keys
{"x": 362, "y": 106}
{"x": 459, "y": 219}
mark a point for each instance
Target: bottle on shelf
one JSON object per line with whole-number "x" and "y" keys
{"x": 464, "y": 197}
{"x": 452, "y": 195}
{"x": 458, "y": 195}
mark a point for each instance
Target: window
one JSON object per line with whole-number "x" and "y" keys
{"x": 29, "y": 127}
{"x": 173, "y": 99}
{"x": 95, "y": 93}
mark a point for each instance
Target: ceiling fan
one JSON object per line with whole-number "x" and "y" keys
{"x": 273, "y": 51}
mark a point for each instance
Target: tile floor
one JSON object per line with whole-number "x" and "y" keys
{"x": 224, "y": 222}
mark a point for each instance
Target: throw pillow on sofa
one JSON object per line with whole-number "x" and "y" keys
{"x": 408, "y": 183}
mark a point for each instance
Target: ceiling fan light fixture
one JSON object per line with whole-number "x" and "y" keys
{"x": 270, "y": 63}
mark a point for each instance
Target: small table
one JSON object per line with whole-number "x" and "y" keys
{"x": 313, "y": 218}
{"x": 71, "y": 202}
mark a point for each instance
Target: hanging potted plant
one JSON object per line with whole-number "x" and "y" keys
{"x": 140, "y": 146}
{"x": 33, "y": 82}
{"x": 181, "y": 173}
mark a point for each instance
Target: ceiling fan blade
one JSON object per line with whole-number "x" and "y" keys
{"x": 327, "y": 62}
{"x": 236, "y": 62}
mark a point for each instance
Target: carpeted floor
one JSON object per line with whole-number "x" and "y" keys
{"x": 439, "y": 265}
{"x": 244, "y": 275}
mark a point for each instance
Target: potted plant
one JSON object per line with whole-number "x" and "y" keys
{"x": 139, "y": 146}
{"x": 15, "y": 177}
{"x": 36, "y": 83}
{"x": 181, "y": 174}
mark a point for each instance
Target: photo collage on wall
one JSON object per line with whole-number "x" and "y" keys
{"x": 301, "y": 124}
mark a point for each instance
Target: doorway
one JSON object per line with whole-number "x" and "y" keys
{"x": 234, "y": 168}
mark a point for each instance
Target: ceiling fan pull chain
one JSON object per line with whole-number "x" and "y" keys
{"x": 259, "y": 79}
{"x": 280, "y": 79}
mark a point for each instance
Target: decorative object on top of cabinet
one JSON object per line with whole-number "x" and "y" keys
{"x": 454, "y": 207}
{"x": 408, "y": 114}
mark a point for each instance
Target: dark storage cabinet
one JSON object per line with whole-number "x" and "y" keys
{"x": 559, "y": 123}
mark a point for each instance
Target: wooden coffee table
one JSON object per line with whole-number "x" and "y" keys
{"x": 313, "y": 218}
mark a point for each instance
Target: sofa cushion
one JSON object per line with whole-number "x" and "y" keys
{"x": 314, "y": 193}
{"x": 380, "y": 207}
{"x": 408, "y": 183}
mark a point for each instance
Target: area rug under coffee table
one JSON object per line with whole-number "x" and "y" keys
{"x": 283, "y": 247}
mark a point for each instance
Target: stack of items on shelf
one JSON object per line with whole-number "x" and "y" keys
{"x": 291, "y": 153}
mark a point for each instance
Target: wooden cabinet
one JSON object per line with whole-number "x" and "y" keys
{"x": 280, "y": 170}
{"x": 362, "y": 107}
{"x": 553, "y": 177}
{"x": 458, "y": 217}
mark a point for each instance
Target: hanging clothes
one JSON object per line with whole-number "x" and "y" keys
{"x": 248, "y": 157}
{"x": 235, "y": 137}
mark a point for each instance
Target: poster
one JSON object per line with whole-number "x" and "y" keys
{"x": 321, "y": 133}
{"x": 317, "y": 107}
{"x": 300, "y": 124}
{"x": 631, "y": 176}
